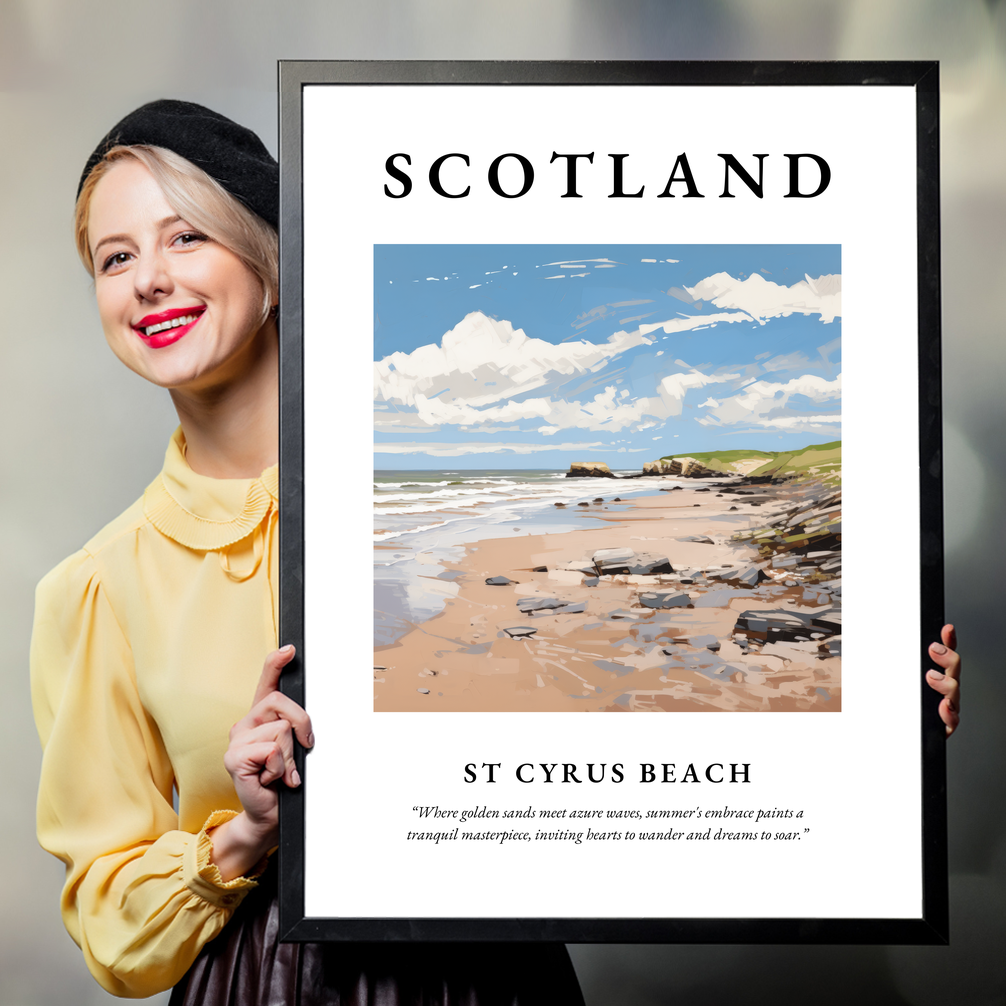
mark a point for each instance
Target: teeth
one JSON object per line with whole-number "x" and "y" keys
{"x": 174, "y": 323}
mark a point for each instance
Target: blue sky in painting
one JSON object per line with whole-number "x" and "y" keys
{"x": 531, "y": 356}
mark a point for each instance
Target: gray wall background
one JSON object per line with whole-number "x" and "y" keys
{"x": 82, "y": 436}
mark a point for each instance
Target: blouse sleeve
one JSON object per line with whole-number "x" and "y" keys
{"x": 141, "y": 898}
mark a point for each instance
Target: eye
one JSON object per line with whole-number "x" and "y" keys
{"x": 189, "y": 239}
{"x": 115, "y": 261}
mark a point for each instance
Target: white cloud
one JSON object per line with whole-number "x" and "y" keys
{"x": 804, "y": 424}
{"x": 474, "y": 378}
{"x": 481, "y": 376}
{"x": 674, "y": 387}
{"x": 766, "y": 405}
{"x": 603, "y": 411}
{"x": 762, "y": 299}
{"x": 481, "y": 361}
{"x": 687, "y": 324}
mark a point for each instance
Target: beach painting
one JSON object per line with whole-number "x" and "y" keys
{"x": 607, "y": 478}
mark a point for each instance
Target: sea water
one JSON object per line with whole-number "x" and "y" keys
{"x": 423, "y": 521}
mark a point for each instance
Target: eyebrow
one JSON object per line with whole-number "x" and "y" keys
{"x": 111, "y": 238}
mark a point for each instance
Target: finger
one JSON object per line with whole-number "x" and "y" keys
{"x": 276, "y": 706}
{"x": 950, "y": 716}
{"x": 274, "y": 766}
{"x": 944, "y": 684}
{"x": 948, "y": 659}
{"x": 949, "y": 636}
{"x": 279, "y": 733}
{"x": 259, "y": 760}
{"x": 949, "y": 708}
{"x": 271, "y": 670}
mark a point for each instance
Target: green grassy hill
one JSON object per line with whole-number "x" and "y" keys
{"x": 821, "y": 460}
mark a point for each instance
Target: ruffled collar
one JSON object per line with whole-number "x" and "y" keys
{"x": 203, "y": 513}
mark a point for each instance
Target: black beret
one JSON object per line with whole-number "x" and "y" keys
{"x": 230, "y": 154}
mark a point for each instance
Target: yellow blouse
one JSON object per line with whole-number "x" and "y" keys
{"x": 147, "y": 647}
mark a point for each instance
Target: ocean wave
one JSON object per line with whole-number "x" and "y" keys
{"x": 452, "y": 482}
{"x": 427, "y": 499}
{"x": 408, "y": 507}
{"x": 490, "y": 495}
{"x": 385, "y": 535}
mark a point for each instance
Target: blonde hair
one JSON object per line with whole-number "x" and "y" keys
{"x": 199, "y": 200}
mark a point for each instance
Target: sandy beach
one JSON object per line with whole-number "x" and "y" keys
{"x": 628, "y": 614}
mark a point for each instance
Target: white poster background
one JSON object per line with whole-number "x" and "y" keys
{"x": 855, "y": 774}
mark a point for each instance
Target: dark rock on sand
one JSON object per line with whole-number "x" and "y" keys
{"x": 612, "y": 561}
{"x": 528, "y": 604}
{"x": 520, "y": 631}
{"x": 498, "y": 581}
{"x": 650, "y": 565}
{"x": 780, "y": 625}
{"x": 550, "y": 605}
{"x": 709, "y": 641}
{"x": 748, "y": 576}
{"x": 668, "y": 599}
{"x": 830, "y": 621}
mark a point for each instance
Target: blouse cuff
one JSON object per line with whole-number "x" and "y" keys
{"x": 202, "y": 876}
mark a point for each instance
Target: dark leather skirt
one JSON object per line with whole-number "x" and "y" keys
{"x": 246, "y": 965}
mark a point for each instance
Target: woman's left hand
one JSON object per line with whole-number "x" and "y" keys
{"x": 948, "y": 681}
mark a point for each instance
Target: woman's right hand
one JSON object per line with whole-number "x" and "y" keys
{"x": 948, "y": 681}
{"x": 260, "y": 753}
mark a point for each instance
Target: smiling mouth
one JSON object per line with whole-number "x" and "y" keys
{"x": 177, "y": 321}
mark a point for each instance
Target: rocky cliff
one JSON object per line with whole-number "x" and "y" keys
{"x": 590, "y": 469}
{"x": 688, "y": 468}
{"x": 821, "y": 460}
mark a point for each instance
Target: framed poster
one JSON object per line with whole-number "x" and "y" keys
{"x": 574, "y": 421}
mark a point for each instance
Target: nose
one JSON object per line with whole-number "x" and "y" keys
{"x": 152, "y": 277}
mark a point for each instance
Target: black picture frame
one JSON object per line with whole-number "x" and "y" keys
{"x": 931, "y": 927}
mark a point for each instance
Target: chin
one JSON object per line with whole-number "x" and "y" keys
{"x": 170, "y": 374}
{"x": 191, "y": 364}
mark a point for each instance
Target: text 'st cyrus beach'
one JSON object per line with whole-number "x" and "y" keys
{"x": 607, "y": 478}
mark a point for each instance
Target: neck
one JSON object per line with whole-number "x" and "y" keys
{"x": 231, "y": 426}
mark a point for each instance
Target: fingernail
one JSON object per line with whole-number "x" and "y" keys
{"x": 936, "y": 675}
{"x": 938, "y": 648}
{"x": 310, "y": 740}
{"x": 295, "y": 777}
{"x": 287, "y": 649}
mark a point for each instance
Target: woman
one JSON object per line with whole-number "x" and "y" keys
{"x": 148, "y": 643}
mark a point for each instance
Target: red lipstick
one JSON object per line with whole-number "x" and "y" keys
{"x": 165, "y": 324}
